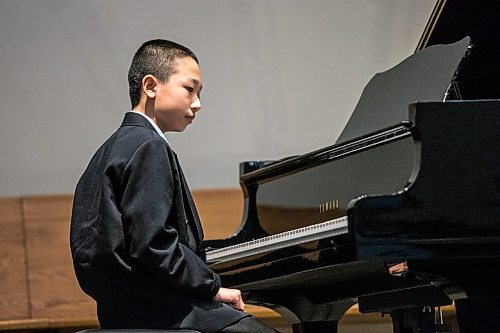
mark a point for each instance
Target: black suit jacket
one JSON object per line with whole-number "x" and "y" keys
{"x": 135, "y": 234}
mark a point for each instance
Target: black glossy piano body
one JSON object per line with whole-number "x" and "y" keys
{"x": 419, "y": 184}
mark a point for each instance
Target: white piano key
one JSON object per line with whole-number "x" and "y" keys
{"x": 274, "y": 242}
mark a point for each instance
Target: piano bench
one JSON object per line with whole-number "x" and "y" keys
{"x": 97, "y": 330}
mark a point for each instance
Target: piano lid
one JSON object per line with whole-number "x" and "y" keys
{"x": 452, "y": 20}
{"x": 424, "y": 76}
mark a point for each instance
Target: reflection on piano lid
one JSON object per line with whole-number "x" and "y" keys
{"x": 428, "y": 75}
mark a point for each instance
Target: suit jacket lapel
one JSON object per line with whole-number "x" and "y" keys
{"x": 192, "y": 214}
{"x": 132, "y": 119}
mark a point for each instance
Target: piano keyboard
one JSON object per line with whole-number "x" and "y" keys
{"x": 274, "y": 242}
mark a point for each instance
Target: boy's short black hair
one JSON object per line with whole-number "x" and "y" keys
{"x": 158, "y": 58}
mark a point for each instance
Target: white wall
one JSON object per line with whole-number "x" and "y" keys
{"x": 281, "y": 77}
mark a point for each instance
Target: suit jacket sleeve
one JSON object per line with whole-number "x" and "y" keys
{"x": 150, "y": 226}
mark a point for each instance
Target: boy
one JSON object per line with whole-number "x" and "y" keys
{"x": 135, "y": 232}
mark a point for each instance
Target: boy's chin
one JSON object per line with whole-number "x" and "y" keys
{"x": 178, "y": 129}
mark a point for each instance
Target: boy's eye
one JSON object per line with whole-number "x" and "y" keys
{"x": 189, "y": 89}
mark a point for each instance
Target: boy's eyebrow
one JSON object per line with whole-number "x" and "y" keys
{"x": 197, "y": 82}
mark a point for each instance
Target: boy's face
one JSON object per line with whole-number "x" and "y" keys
{"x": 177, "y": 100}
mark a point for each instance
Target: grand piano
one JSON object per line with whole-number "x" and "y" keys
{"x": 402, "y": 214}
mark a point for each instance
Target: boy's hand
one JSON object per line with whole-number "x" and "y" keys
{"x": 231, "y": 297}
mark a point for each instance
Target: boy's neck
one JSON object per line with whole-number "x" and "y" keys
{"x": 146, "y": 107}
{"x": 142, "y": 109}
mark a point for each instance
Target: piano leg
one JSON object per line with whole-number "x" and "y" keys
{"x": 316, "y": 327}
{"x": 414, "y": 320}
{"x": 412, "y": 309}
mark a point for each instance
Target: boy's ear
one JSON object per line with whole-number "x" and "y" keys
{"x": 149, "y": 85}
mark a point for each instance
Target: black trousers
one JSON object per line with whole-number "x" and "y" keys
{"x": 249, "y": 325}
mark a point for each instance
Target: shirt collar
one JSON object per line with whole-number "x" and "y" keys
{"x": 157, "y": 129}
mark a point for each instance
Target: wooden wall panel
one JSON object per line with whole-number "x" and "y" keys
{"x": 13, "y": 283}
{"x": 54, "y": 289}
{"x": 220, "y": 210}
{"x": 54, "y": 293}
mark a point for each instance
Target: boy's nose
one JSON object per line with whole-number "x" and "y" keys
{"x": 196, "y": 105}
